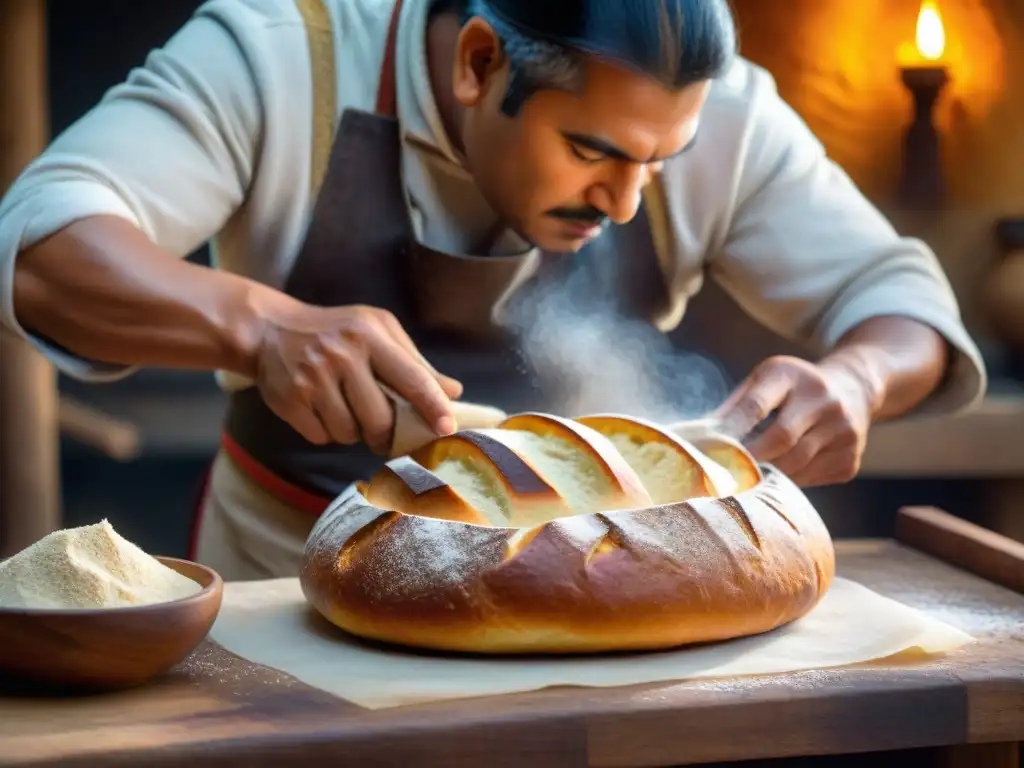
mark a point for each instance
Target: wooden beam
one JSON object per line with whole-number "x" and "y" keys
{"x": 29, "y": 435}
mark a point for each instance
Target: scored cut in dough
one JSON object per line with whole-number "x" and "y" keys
{"x": 569, "y": 471}
{"x": 487, "y": 466}
{"x": 670, "y": 468}
{"x": 670, "y": 475}
{"x": 479, "y": 484}
{"x": 535, "y": 468}
{"x": 731, "y": 455}
{"x": 581, "y": 462}
{"x": 404, "y": 484}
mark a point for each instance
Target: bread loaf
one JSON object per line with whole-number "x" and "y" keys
{"x": 549, "y": 535}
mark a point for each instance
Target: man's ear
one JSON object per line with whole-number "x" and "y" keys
{"x": 478, "y": 57}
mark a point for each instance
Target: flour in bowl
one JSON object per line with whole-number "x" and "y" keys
{"x": 88, "y": 567}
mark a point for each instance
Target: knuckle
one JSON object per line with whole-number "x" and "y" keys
{"x": 343, "y": 435}
{"x": 755, "y": 407}
{"x": 849, "y": 439}
{"x": 300, "y": 385}
{"x": 377, "y": 434}
{"x": 367, "y": 319}
{"x": 344, "y": 430}
{"x": 787, "y": 439}
{"x": 345, "y": 359}
{"x": 780, "y": 364}
{"x": 775, "y": 361}
{"x": 802, "y": 453}
{"x": 847, "y": 468}
{"x": 310, "y": 359}
{"x": 818, "y": 387}
{"x": 847, "y": 473}
{"x": 354, "y": 335}
{"x": 834, "y": 410}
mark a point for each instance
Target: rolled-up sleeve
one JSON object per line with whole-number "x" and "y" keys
{"x": 811, "y": 258}
{"x": 171, "y": 150}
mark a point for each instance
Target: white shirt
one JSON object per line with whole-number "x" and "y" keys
{"x": 211, "y": 138}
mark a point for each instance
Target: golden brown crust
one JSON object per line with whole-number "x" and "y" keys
{"x": 636, "y": 579}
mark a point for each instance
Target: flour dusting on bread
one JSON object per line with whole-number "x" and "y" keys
{"x": 550, "y": 535}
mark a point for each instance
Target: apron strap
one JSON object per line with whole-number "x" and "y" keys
{"x": 387, "y": 90}
{"x": 655, "y": 204}
{"x": 320, "y": 36}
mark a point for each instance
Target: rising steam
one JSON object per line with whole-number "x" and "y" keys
{"x": 600, "y": 361}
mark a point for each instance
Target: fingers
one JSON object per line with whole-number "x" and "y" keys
{"x": 833, "y": 465}
{"x": 411, "y": 379}
{"x": 788, "y": 430}
{"x": 290, "y": 396}
{"x": 819, "y": 430}
{"x": 805, "y": 449}
{"x": 753, "y": 401}
{"x": 329, "y": 404}
{"x": 451, "y": 387}
{"x": 305, "y": 422}
{"x": 325, "y": 377}
{"x": 372, "y": 409}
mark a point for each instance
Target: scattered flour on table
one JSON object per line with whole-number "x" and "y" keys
{"x": 88, "y": 567}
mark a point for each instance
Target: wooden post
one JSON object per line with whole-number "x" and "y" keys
{"x": 30, "y": 505}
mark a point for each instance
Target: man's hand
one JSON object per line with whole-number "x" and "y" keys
{"x": 822, "y": 416}
{"x": 878, "y": 370}
{"x": 318, "y": 369}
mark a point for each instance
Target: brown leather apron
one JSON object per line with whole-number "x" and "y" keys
{"x": 360, "y": 249}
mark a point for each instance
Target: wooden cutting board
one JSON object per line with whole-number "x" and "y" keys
{"x": 219, "y": 710}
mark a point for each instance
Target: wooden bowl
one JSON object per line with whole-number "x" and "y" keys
{"x": 111, "y": 648}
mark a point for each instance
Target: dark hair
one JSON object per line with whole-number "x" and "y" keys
{"x": 677, "y": 42}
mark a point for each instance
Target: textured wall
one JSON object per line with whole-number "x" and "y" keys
{"x": 836, "y": 63}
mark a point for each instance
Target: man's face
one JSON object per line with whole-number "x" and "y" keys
{"x": 568, "y": 162}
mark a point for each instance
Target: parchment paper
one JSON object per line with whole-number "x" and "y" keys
{"x": 270, "y": 623}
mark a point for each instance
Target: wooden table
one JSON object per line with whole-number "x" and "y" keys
{"x": 218, "y": 710}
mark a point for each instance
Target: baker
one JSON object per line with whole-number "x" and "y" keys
{"x": 385, "y": 184}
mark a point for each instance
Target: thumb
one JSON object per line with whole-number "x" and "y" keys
{"x": 753, "y": 402}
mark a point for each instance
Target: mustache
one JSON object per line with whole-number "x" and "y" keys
{"x": 587, "y": 214}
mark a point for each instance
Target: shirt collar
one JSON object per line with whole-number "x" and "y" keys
{"x": 454, "y": 207}
{"x": 418, "y": 112}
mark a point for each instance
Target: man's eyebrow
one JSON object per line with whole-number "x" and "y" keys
{"x": 610, "y": 150}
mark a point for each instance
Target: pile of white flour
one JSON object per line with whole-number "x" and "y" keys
{"x": 88, "y": 567}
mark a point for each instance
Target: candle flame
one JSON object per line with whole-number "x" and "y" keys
{"x": 931, "y": 35}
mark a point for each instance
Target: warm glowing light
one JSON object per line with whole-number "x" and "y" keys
{"x": 931, "y": 35}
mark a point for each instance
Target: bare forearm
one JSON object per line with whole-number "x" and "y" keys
{"x": 901, "y": 361}
{"x": 101, "y": 289}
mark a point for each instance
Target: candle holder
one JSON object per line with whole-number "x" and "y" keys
{"x": 1004, "y": 293}
{"x": 921, "y": 182}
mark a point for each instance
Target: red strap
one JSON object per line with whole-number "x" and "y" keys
{"x": 387, "y": 96}
{"x": 281, "y": 489}
{"x": 197, "y": 515}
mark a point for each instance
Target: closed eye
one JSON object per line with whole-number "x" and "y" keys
{"x": 593, "y": 150}
{"x": 586, "y": 154}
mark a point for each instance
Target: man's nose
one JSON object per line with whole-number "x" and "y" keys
{"x": 619, "y": 195}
